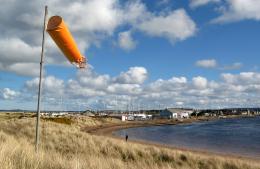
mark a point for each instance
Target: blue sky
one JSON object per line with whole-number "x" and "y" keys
{"x": 172, "y": 53}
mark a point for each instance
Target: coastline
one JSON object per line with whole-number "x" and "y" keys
{"x": 107, "y": 130}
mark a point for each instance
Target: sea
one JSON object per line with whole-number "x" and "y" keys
{"x": 237, "y": 136}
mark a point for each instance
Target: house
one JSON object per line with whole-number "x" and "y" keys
{"x": 149, "y": 116}
{"x": 207, "y": 114}
{"x": 124, "y": 117}
{"x": 244, "y": 113}
{"x": 168, "y": 114}
{"x": 184, "y": 115}
{"x": 58, "y": 114}
{"x": 175, "y": 113}
{"x": 140, "y": 116}
{"x": 130, "y": 118}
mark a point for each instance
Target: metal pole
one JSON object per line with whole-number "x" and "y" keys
{"x": 40, "y": 83}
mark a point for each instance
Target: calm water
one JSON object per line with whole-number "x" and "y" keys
{"x": 232, "y": 136}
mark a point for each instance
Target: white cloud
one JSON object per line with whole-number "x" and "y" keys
{"x": 178, "y": 80}
{"x": 175, "y": 26}
{"x": 179, "y": 103}
{"x": 212, "y": 63}
{"x": 239, "y": 10}
{"x": 25, "y": 69}
{"x": 19, "y": 57}
{"x": 197, "y": 3}
{"x": 74, "y": 89}
{"x": 252, "y": 78}
{"x": 103, "y": 16}
{"x": 207, "y": 63}
{"x": 8, "y": 94}
{"x": 16, "y": 50}
{"x": 125, "y": 89}
{"x": 170, "y": 85}
{"x": 236, "y": 65}
{"x": 88, "y": 83}
{"x": 135, "y": 75}
{"x": 50, "y": 85}
{"x": 199, "y": 82}
{"x": 126, "y": 41}
{"x": 89, "y": 78}
{"x": 136, "y": 12}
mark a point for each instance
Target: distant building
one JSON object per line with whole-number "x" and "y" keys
{"x": 175, "y": 113}
{"x": 167, "y": 114}
{"x": 244, "y": 113}
{"x": 149, "y": 116}
{"x": 207, "y": 114}
{"x": 45, "y": 114}
{"x": 184, "y": 115}
{"x": 54, "y": 114}
{"x": 130, "y": 118}
{"x": 90, "y": 114}
{"x": 57, "y": 114}
{"x": 103, "y": 114}
{"x": 124, "y": 117}
{"x": 140, "y": 116}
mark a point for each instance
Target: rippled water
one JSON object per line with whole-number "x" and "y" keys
{"x": 232, "y": 136}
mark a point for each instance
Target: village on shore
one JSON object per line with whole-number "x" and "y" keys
{"x": 140, "y": 115}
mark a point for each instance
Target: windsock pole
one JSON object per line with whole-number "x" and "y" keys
{"x": 37, "y": 137}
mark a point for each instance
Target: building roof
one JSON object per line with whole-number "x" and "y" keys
{"x": 178, "y": 110}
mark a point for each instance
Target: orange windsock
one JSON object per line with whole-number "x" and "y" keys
{"x": 62, "y": 37}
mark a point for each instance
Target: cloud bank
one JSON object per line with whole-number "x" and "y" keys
{"x": 130, "y": 89}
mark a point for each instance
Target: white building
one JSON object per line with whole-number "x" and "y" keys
{"x": 140, "y": 116}
{"x": 184, "y": 115}
{"x": 176, "y": 113}
{"x": 123, "y": 118}
{"x": 130, "y": 118}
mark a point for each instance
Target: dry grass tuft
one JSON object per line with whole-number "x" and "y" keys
{"x": 62, "y": 120}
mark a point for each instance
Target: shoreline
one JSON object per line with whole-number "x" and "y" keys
{"x": 107, "y": 130}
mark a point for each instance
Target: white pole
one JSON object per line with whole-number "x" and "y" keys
{"x": 37, "y": 139}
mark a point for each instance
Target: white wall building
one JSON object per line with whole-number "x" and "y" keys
{"x": 184, "y": 115}
{"x": 123, "y": 118}
{"x": 176, "y": 113}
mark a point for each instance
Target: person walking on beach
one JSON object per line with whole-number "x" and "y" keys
{"x": 126, "y": 137}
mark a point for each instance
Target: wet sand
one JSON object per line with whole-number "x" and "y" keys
{"x": 109, "y": 128}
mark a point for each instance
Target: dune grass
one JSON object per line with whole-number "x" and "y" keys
{"x": 11, "y": 115}
{"x": 65, "y": 146}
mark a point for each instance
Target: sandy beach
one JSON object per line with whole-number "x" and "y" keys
{"x": 109, "y": 128}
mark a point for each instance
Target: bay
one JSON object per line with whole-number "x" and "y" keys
{"x": 238, "y": 136}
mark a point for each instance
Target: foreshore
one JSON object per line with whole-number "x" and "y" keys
{"x": 107, "y": 130}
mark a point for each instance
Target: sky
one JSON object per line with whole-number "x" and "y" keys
{"x": 142, "y": 54}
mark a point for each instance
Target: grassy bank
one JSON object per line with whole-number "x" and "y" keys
{"x": 64, "y": 145}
